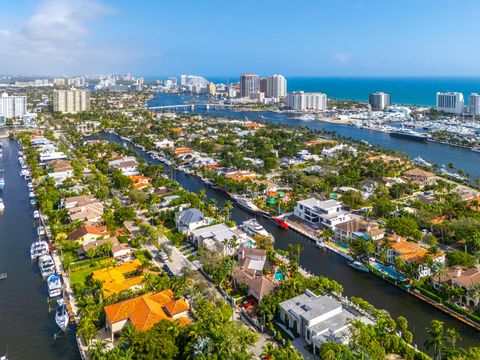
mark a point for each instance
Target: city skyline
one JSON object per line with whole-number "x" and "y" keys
{"x": 350, "y": 38}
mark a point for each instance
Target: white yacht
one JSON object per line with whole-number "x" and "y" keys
{"x": 421, "y": 162}
{"x": 252, "y": 227}
{"x": 41, "y": 231}
{"x": 36, "y": 215}
{"x": 54, "y": 284}
{"x": 38, "y": 248}
{"x": 31, "y": 194}
{"x": 2, "y": 205}
{"x": 61, "y": 315}
{"x": 46, "y": 265}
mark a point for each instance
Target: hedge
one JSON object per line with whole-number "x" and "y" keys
{"x": 464, "y": 312}
{"x": 80, "y": 265}
{"x": 429, "y": 294}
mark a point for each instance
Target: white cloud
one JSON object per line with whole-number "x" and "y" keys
{"x": 58, "y": 38}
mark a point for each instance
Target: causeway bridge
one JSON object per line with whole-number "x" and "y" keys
{"x": 189, "y": 106}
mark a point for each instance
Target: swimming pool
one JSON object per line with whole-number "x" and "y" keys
{"x": 389, "y": 271}
{"x": 341, "y": 245}
{"x": 250, "y": 244}
{"x": 278, "y": 275}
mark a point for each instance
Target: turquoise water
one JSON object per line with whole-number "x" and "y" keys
{"x": 342, "y": 245}
{"x": 389, "y": 271}
{"x": 403, "y": 90}
{"x": 250, "y": 243}
{"x": 279, "y": 275}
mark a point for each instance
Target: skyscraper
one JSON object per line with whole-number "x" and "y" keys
{"x": 450, "y": 102}
{"x": 249, "y": 83}
{"x": 263, "y": 85}
{"x": 12, "y": 106}
{"x": 71, "y": 101}
{"x": 276, "y": 86}
{"x": 379, "y": 100}
{"x": 474, "y": 104}
{"x": 183, "y": 80}
{"x": 301, "y": 101}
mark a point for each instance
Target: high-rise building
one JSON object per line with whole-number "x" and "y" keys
{"x": 249, "y": 83}
{"x": 474, "y": 104}
{"x": 12, "y": 106}
{"x": 212, "y": 89}
{"x": 173, "y": 79}
{"x": 301, "y": 101}
{"x": 379, "y": 100}
{"x": 59, "y": 82}
{"x": 276, "y": 86}
{"x": 183, "y": 80}
{"x": 71, "y": 101}
{"x": 450, "y": 102}
{"x": 263, "y": 85}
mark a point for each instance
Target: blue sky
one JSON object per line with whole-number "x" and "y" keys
{"x": 210, "y": 37}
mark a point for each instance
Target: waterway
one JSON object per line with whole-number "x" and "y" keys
{"x": 26, "y": 327}
{"x": 320, "y": 262}
{"x": 435, "y": 153}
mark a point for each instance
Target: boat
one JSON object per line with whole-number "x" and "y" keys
{"x": 3, "y": 276}
{"x": 2, "y": 180}
{"x": 282, "y": 223}
{"x": 476, "y": 149}
{"x": 40, "y": 231}
{"x": 36, "y": 214}
{"x": 2, "y": 205}
{"x": 38, "y": 248}
{"x": 319, "y": 243}
{"x": 33, "y": 201}
{"x": 46, "y": 265}
{"x": 306, "y": 117}
{"x": 61, "y": 315}
{"x": 421, "y": 162}
{"x": 357, "y": 265}
{"x": 54, "y": 284}
{"x": 31, "y": 194}
{"x": 252, "y": 227}
{"x": 246, "y": 204}
{"x": 409, "y": 135}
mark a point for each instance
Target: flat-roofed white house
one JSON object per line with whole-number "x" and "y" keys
{"x": 218, "y": 236}
{"x": 317, "y": 319}
{"x": 327, "y": 213}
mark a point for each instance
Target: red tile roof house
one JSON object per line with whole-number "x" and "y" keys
{"x": 250, "y": 272}
{"x": 118, "y": 250}
{"x": 459, "y": 276}
{"x": 87, "y": 233}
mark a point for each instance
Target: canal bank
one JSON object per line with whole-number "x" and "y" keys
{"x": 433, "y": 152}
{"x": 319, "y": 262}
{"x": 26, "y": 326}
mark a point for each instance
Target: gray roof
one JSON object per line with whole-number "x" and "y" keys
{"x": 309, "y": 306}
{"x": 189, "y": 216}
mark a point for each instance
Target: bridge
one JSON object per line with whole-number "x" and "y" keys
{"x": 189, "y": 106}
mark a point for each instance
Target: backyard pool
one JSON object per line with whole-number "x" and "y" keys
{"x": 278, "y": 275}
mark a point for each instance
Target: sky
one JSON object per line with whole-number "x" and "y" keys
{"x": 218, "y": 37}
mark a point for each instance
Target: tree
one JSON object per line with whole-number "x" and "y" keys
{"x": 280, "y": 352}
{"x": 453, "y": 337}
{"x": 436, "y": 341}
{"x": 383, "y": 207}
{"x": 474, "y": 291}
{"x": 157, "y": 343}
{"x": 97, "y": 350}
{"x": 461, "y": 258}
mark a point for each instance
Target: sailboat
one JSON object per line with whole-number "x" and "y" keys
{"x": 61, "y": 315}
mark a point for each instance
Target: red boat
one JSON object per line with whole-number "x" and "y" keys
{"x": 281, "y": 223}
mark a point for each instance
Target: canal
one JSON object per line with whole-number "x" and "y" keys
{"x": 435, "y": 153}
{"x": 320, "y": 262}
{"x": 26, "y": 327}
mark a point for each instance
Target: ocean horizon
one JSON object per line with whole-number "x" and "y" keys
{"x": 404, "y": 90}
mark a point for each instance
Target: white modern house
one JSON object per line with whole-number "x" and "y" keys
{"x": 317, "y": 319}
{"x": 191, "y": 219}
{"x": 327, "y": 213}
{"x": 219, "y": 236}
{"x": 127, "y": 165}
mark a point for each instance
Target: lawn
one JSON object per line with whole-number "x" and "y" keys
{"x": 79, "y": 276}
{"x": 143, "y": 256}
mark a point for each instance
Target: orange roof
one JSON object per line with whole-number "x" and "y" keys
{"x": 181, "y": 151}
{"x": 147, "y": 310}
{"x": 139, "y": 178}
{"x": 177, "y": 130}
{"x": 114, "y": 280}
{"x": 87, "y": 229}
{"x": 408, "y": 250}
{"x": 474, "y": 204}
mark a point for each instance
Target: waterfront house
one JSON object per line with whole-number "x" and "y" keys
{"x": 419, "y": 176}
{"x": 408, "y": 251}
{"x": 358, "y": 228}
{"x": 218, "y": 237}
{"x": 117, "y": 250}
{"x": 191, "y": 219}
{"x": 251, "y": 264}
{"x": 241, "y": 175}
{"x": 459, "y": 276}
{"x": 317, "y": 319}
{"x": 86, "y": 233}
{"x": 165, "y": 144}
{"x": 143, "y": 312}
{"x": 120, "y": 278}
{"x": 328, "y": 213}
{"x": 128, "y": 165}
{"x": 60, "y": 170}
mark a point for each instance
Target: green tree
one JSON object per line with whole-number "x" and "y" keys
{"x": 436, "y": 340}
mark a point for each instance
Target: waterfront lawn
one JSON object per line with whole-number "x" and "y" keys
{"x": 79, "y": 276}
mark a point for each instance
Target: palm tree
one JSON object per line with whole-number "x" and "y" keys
{"x": 97, "y": 350}
{"x": 436, "y": 341}
{"x": 128, "y": 334}
{"x": 474, "y": 293}
{"x": 453, "y": 336}
{"x": 87, "y": 329}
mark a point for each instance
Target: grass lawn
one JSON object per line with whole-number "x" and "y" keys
{"x": 79, "y": 276}
{"x": 143, "y": 256}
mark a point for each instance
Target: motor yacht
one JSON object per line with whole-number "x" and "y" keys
{"x": 54, "y": 284}
{"x": 46, "y": 265}
{"x": 38, "y": 248}
{"x": 253, "y": 227}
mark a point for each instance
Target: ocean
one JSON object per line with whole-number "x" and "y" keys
{"x": 403, "y": 90}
